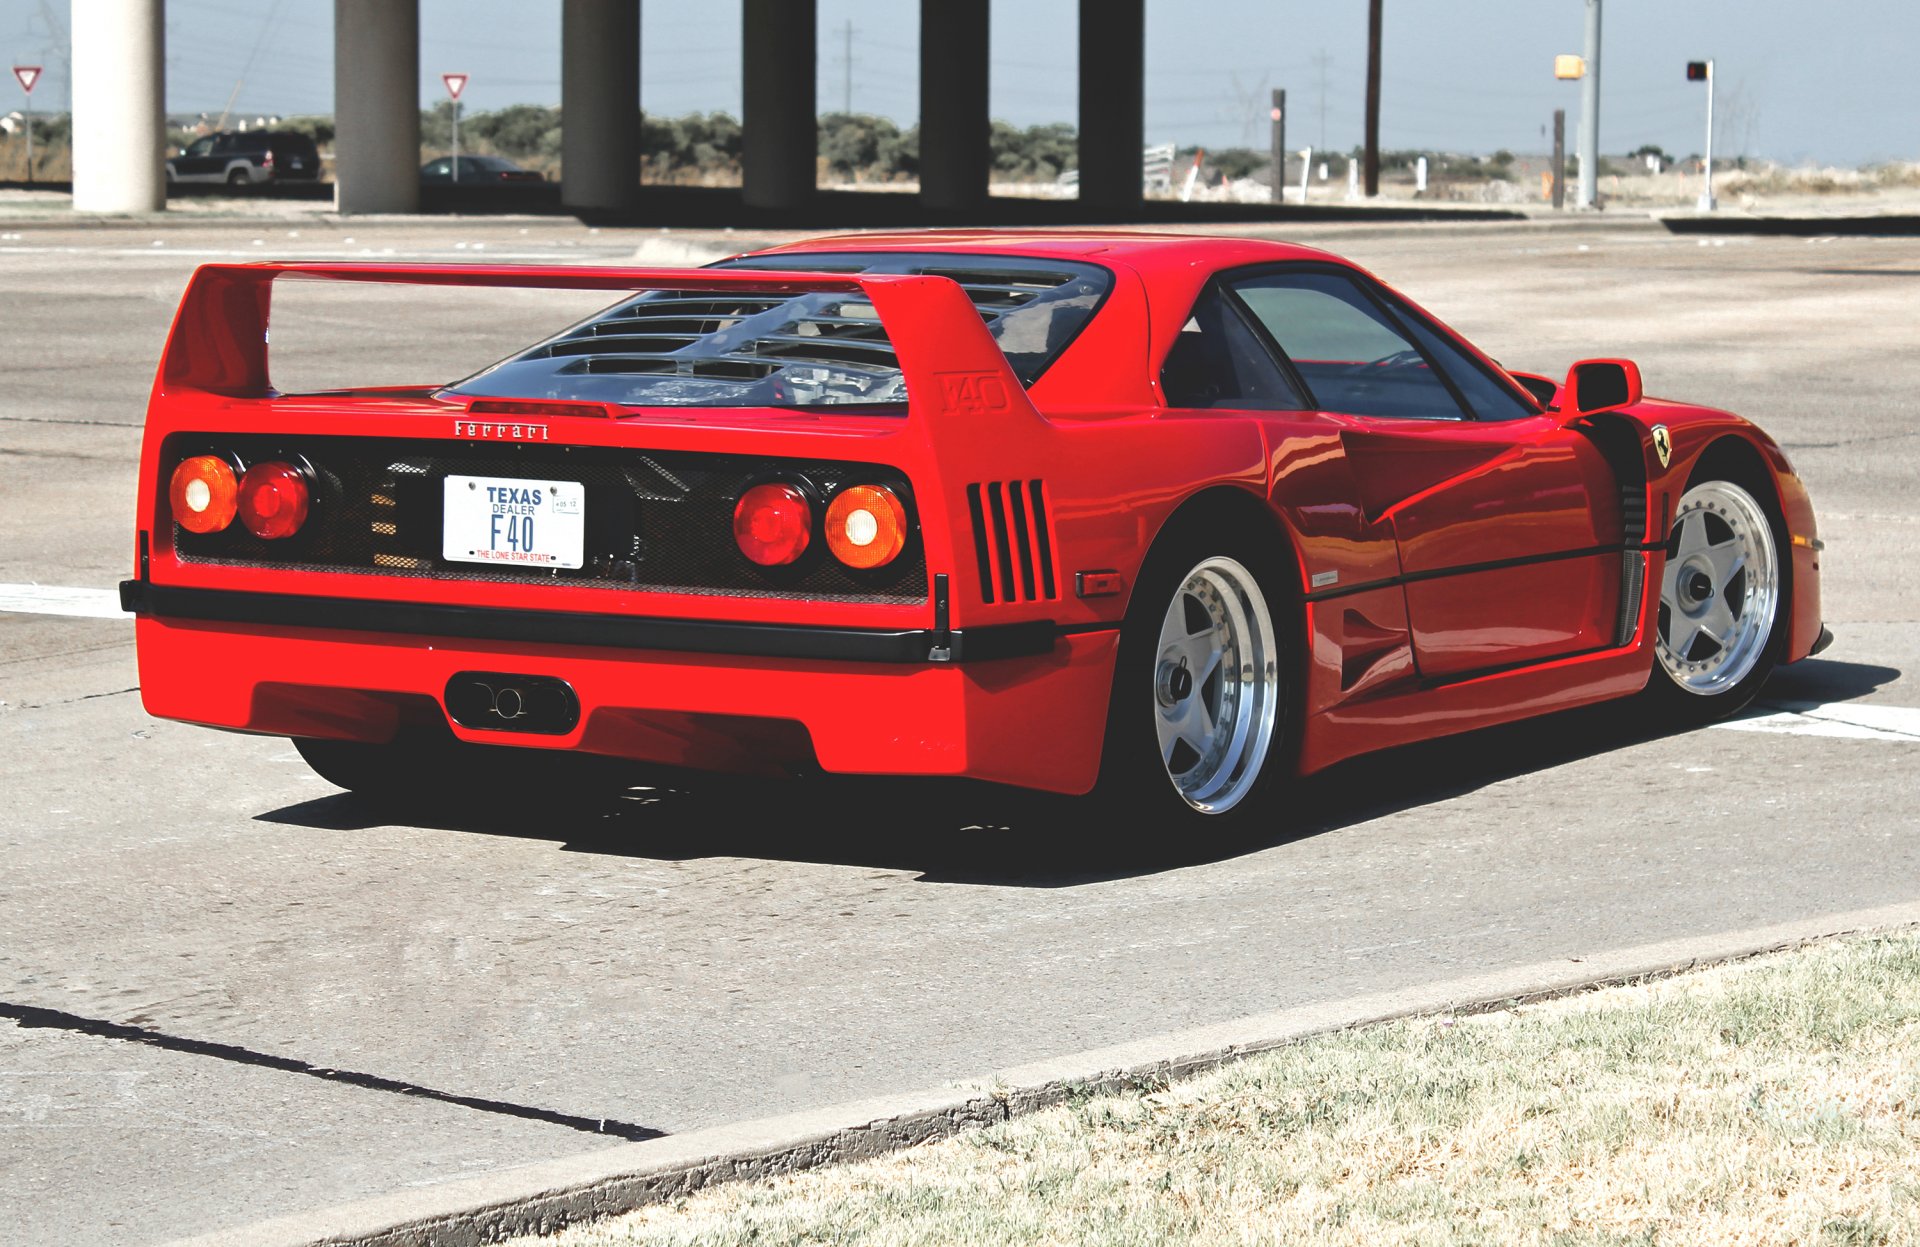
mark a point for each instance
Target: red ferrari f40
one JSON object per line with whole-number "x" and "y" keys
{"x": 1167, "y": 519}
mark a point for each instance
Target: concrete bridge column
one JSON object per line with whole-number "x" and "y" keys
{"x": 1113, "y": 67}
{"x": 376, "y": 105}
{"x": 119, "y": 105}
{"x": 600, "y": 104}
{"x": 780, "y": 137}
{"x": 955, "y": 156}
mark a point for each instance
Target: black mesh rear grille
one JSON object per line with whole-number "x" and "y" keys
{"x": 658, "y": 520}
{"x": 1011, "y": 541}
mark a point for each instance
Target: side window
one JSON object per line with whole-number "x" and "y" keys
{"x": 1217, "y": 361}
{"x": 1489, "y": 399}
{"x": 201, "y": 147}
{"x": 223, "y": 144}
{"x": 1353, "y": 359}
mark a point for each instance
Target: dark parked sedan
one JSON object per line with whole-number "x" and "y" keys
{"x": 480, "y": 170}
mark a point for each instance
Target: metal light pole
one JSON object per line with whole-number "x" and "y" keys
{"x": 1373, "y": 99}
{"x": 1278, "y": 115}
{"x": 1707, "y": 203}
{"x": 1590, "y": 113}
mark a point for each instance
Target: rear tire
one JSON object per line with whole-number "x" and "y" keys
{"x": 1719, "y": 627}
{"x": 1200, "y": 724}
{"x": 413, "y": 768}
{"x": 238, "y": 177}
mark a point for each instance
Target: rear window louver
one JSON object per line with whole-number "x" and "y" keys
{"x": 681, "y": 347}
{"x": 1011, "y": 541}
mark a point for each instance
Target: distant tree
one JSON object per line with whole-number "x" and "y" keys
{"x": 707, "y": 144}
{"x": 1037, "y": 153}
{"x": 319, "y": 129}
{"x": 859, "y": 143}
{"x": 1234, "y": 162}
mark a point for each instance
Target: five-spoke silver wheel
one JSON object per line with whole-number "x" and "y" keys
{"x": 1720, "y": 590}
{"x": 1216, "y": 685}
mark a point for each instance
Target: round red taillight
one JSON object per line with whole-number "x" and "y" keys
{"x": 866, "y": 526}
{"x": 273, "y": 500}
{"x": 203, "y": 494}
{"x": 772, "y": 524}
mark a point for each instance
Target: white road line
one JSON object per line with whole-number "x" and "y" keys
{"x": 59, "y": 600}
{"x": 1842, "y": 720}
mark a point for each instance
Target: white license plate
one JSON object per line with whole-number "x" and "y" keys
{"x": 520, "y": 523}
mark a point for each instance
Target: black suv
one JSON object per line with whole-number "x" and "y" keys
{"x": 243, "y": 159}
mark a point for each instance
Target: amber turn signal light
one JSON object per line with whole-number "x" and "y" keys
{"x": 203, "y": 494}
{"x": 866, "y": 526}
{"x": 772, "y": 524}
{"x": 274, "y": 499}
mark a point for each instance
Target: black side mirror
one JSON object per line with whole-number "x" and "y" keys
{"x": 1597, "y": 385}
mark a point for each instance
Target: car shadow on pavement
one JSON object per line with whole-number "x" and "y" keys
{"x": 948, "y": 831}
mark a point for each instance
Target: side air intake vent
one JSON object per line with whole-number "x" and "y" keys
{"x": 1633, "y": 562}
{"x": 1011, "y": 541}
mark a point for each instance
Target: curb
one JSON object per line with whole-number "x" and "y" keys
{"x": 542, "y": 1198}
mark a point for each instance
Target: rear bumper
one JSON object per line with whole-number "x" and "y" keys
{"x": 1034, "y": 719}
{"x": 687, "y": 636}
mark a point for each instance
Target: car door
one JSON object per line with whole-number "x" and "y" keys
{"x": 197, "y": 162}
{"x": 1507, "y": 522}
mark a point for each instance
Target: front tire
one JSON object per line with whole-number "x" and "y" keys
{"x": 1722, "y": 597}
{"x": 1199, "y": 724}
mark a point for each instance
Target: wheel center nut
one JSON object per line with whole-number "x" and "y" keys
{"x": 1175, "y": 683}
{"x": 1700, "y": 587}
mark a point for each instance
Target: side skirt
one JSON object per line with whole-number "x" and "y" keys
{"x": 1488, "y": 699}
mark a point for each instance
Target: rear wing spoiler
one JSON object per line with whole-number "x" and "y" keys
{"x": 950, "y": 360}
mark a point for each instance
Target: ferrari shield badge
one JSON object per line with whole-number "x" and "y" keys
{"x": 1662, "y": 443}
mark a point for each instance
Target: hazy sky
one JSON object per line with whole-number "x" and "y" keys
{"x": 1829, "y": 82}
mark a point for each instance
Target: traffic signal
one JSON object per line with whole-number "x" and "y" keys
{"x": 1696, "y": 71}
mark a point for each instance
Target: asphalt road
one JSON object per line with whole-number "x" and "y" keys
{"x": 229, "y": 992}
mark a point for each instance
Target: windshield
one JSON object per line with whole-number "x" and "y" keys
{"x": 695, "y": 348}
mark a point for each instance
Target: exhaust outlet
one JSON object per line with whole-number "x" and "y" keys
{"x": 496, "y": 702}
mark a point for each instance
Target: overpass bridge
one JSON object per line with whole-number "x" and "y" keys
{"x": 119, "y": 93}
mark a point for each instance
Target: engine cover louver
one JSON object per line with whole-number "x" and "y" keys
{"x": 1011, "y": 541}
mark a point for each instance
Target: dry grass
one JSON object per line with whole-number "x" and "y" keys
{"x": 1775, "y": 1101}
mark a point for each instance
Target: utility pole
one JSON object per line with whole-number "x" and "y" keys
{"x": 846, "y": 88}
{"x": 1373, "y": 97}
{"x": 1590, "y": 113}
{"x": 1559, "y": 159}
{"x": 1279, "y": 117}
